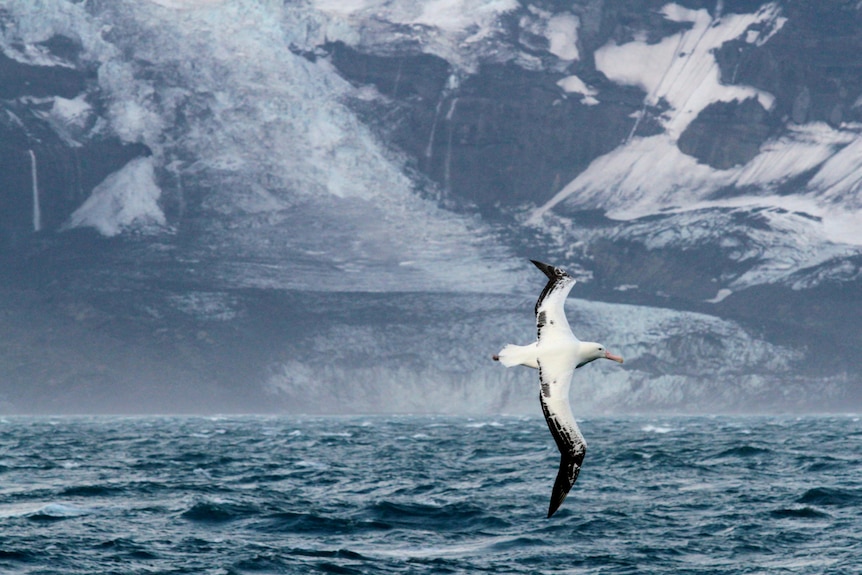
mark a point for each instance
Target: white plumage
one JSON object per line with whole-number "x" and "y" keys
{"x": 557, "y": 353}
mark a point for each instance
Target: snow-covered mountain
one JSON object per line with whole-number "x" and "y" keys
{"x": 329, "y": 206}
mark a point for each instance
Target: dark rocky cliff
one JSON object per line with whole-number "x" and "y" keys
{"x": 89, "y": 318}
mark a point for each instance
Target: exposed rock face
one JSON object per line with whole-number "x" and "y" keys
{"x": 808, "y": 65}
{"x": 507, "y": 135}
{"x": 69, "y": 155}
{"x": 501, "y": 137}
{"x": 18, "y": 79}
{"x": 696, "y": 164}
{"x": 727, "y": 134}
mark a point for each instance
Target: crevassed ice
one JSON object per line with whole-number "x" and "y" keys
{"x": 347, "y": 366}
{"x": 218, "y": 95}
{"x": 455, "y": 30}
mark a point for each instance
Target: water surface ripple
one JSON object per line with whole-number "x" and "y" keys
{"x": 253, "y": 495}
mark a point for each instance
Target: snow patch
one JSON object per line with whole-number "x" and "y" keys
{"x": 641, "y": 177}
{"x": 840, "y": 177}
{"x": 456, "y": 30}
{"x": 74, "y": 112}
{"x": 720, "y": 296}
{"x": 651, "y": 175}
{"x": 574, "y": 85}
{"x": 560, "y": 30}
{"x": 562, "y": 35}
{"x": 681, "y": 69}
{"x": 126, "y": 199}
{"x": 801, "y": 149}
{"x": 458, "y": 16}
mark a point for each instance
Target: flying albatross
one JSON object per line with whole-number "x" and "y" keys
{"x": 557, "y": 353}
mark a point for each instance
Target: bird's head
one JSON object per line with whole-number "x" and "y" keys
{"x": 591, "y": 351}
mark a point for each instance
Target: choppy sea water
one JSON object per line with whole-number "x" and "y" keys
{"x": 428, "y": 495}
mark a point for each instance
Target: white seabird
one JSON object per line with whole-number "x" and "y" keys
{"x": 557, "y": 353}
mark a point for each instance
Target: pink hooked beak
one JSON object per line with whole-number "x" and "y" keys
{"x": 609, "y": 355}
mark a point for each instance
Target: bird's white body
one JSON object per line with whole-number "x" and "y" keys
{"x": 528, "y": 355}
{"x": 557, "y": 353}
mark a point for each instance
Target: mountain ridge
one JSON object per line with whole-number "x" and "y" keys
{"x": 694, "y": 164}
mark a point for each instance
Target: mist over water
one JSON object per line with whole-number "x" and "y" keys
{"x": 251, "y": 206}
{"x": 709, "y": 495}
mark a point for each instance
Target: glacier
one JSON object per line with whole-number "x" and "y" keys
{"x": 272, "y": 129}
{"x": 672, "y": 358}
{"x": 324, "y": 205}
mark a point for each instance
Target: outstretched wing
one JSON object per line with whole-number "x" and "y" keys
{"x": 555, "y": 375}
{"x": 555, "y": 378}
{"x": 551, "y": 322}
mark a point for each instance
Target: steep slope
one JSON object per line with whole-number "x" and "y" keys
{"x": 328, "y": 206}
{"x": 692, "y": 155}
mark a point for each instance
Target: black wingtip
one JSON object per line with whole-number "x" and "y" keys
{"x": 557, "y": 499}
{"x": 540, "y": 265}
{"x": 552, "y": 272}
{"x": 552, "y": 508}
{"x": 566, "y": 477}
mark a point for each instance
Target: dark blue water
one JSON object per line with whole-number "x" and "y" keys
{"x": 428, "y": 495}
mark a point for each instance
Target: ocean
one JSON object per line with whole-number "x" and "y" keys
{"x": 419, "y": 494}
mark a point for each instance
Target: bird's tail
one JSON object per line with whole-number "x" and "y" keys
{"x": 512, "y": 355}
